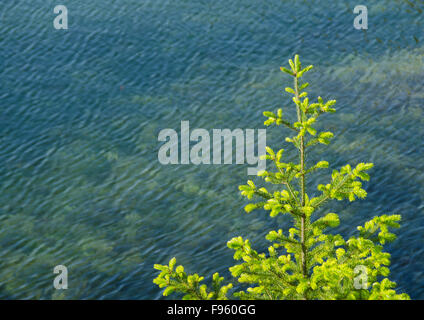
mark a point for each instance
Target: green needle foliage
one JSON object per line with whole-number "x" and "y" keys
{"x": 305, "y": 262}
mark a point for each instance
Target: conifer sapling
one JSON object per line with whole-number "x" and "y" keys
{"x": 303, "y": 262}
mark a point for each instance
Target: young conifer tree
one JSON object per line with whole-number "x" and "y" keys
{"x": 305, "y": 262}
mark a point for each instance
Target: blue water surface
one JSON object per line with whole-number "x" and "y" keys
{"x": 81, "y": 110}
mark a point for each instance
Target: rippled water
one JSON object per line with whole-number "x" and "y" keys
{"x": 80, "y": 183}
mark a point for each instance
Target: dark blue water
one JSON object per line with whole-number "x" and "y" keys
{"x": 81, "y": 109}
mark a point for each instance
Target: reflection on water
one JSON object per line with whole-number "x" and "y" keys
{"x": 80, "y": 183}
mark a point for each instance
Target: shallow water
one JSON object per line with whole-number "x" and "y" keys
{"x": 80, "y": 182}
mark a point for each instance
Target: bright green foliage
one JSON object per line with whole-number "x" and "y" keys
{"x": 304, "y": 262}
{"x": 177, "y": 280}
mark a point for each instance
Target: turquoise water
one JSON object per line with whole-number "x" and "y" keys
{"x": 80, "y": 182}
